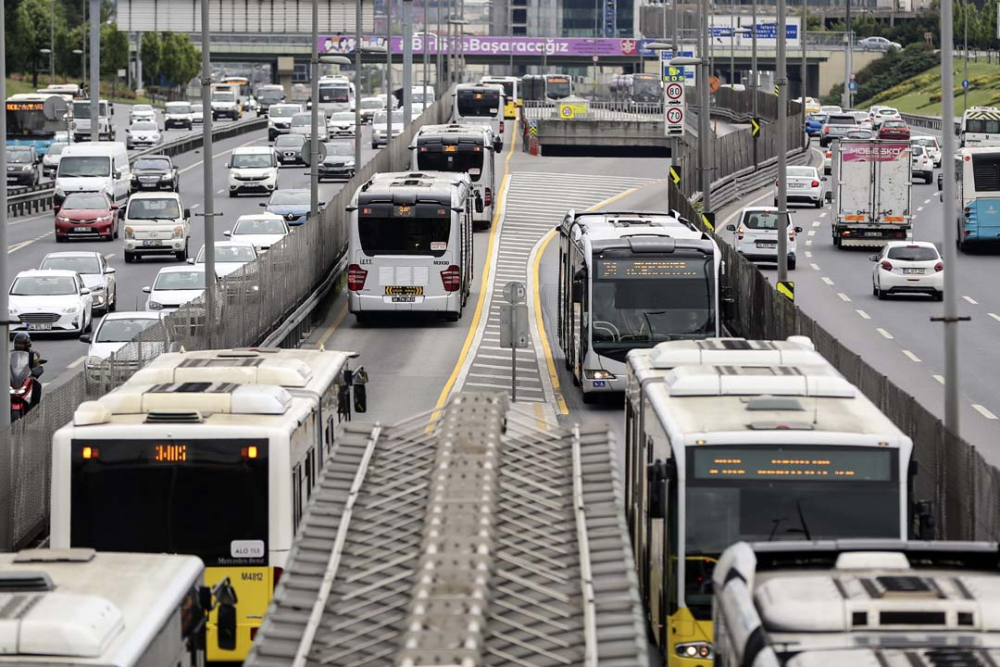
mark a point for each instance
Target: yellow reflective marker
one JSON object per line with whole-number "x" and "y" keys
{"x": 777, "y": 90}
{"x": 787, "y": 289}
{"x": 675, "y": 175}
{"x": 708, "y": 222}
{"x": 754, "y": 127}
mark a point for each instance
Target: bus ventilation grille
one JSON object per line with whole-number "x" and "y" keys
{"x": 25, "y": 582}
{"x": 173, "y": 418}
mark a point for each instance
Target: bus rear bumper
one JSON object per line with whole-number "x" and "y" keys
{"x": 377, "y": 303}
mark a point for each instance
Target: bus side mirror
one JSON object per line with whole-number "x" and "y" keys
{"x": 578, "y": 291}
{"x": 227, "y": 627}
{"x": 923, "y": 520}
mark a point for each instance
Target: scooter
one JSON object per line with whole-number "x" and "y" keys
{"x": 25, "y": 390}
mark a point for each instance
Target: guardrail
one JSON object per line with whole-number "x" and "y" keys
{"x": 39, "y": 198}
{"x": 927, "y": 122}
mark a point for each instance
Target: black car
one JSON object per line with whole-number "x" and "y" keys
{"x": 289, "y": 148}
{"x": 22, "y": 165}
{"x": 339, "y": 162}
{"x": 156, "y": 172}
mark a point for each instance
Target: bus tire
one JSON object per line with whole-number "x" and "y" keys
{"x": 589, "y": 398}
{"x": 452, "y": 317}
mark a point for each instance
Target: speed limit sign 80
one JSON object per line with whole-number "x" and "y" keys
{"x": 674, "y": 91}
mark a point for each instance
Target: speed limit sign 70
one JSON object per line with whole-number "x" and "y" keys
{"x": 675, "y": 115}
{"x": 674, "y": 91}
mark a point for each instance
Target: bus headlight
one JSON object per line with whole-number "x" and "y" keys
{"x": 696, "y": 650}
{"x": 599, "y": 375}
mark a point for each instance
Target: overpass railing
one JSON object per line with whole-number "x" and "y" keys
{"x": 270, "y": 301}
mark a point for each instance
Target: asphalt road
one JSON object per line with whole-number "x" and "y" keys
{"x": 31, "y": 238}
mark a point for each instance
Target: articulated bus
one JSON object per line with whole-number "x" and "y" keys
{"x": 546, "y": 87}
{"x": 977, "y": 196}
{"x": 725, "y": 453}
{"x": 630, "y": 280}
{"x": 980, "y": 127}
{"x": 212, "y": 454}
{"x": 511, "y": 92}
{"x": 31, "y": 121}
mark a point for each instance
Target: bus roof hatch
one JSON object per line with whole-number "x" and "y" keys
{"x": 658, "y": 244}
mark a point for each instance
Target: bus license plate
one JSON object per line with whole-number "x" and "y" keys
{"x": 404, "y": 290}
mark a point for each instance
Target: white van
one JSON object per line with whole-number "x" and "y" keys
{"x": 253, "y": 169}
{"x": 465, "y": 149}
{"x": 100, "y": 166}
{"x": 410, "y": 246}
{"x": 156, "y": 223}
{"x": 481, "y": 104}
{"x": 756, "y": 235}
{"x": 81, "y": 121}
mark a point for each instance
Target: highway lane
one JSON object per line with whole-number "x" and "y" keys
{"x": 31, "y": 238}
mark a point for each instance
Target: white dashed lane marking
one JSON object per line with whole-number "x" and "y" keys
{"x": 912, "y": 357}
{"x": 885, "y": 334}
{"x": 970, "y": 300}
{"x": 994, "y": 316}
{"x": 983, "y": 411}
{"x": 843, "y": 297}
{"x": 939, "y": 378}
{"x": 827, "y": 280}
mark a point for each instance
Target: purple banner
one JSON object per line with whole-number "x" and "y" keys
{"x": 492, "y": 46}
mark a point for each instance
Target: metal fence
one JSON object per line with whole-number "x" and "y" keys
{"x": 590, "y": 110}
{"x": 248, "y": 305}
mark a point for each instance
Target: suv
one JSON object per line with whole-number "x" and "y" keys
{"x": 178, "y": 114}
{"x": 252, "y": 169}
{"x": 836, "y": 126}
{"x": 156, "y": 172}
{"x": 156, "y": 223}
{"x": 224, "y": 103}
{"x": 756, "y": 236}
{"x": 22, "y": 165}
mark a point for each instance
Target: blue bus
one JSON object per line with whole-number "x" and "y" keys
{"x": 977, "y": 193}
{"x": 29, "y": 123}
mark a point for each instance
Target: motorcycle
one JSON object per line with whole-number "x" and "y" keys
{"x": 25, "y": 390}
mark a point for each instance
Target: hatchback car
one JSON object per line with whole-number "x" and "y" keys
{"x": 302, "y": 124}
{"x": 93, "y": 268}
{"x": 292, "y": 205}
{"x": 908, "y": 267}
{"x": 87, "y": 215}
{"x": 142, "y": 112}
{"x": 380, "y": 127}
{"x": 50, "y": 301}
{"x": 50, "y": 163}
{"x": 279, "y": 119}
{"x": 178, "y": 114}
{"x": 142, "y": 135}
{"x": 814, "y": 124}
{"x": 175, "y": 286}
{"x": 921, "y": 164}
{"x": 804, "y": 185}
{"x": 894, "y": 129}
{"x": 883, "y": 114}
{"x": 342, "y": 124}
{"x": 931, "y": 145}
{"x": 22, "y": 165}
{"x": 116, "y": 330}
{"x": 756, "y": 235}
{"x": 261, "y": 231}
{"x": 339, "y": 162}
{"x": 290, "y": 148}
{"x": 156, "y": 172}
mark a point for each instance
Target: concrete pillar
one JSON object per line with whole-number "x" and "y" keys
{"x": 284, "y": 68}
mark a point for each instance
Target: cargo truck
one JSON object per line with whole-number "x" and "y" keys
{"x": 873, "y": 192}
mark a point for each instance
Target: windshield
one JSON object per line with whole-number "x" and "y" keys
{"x": 152, "y": 163}
{"x": 19, "y": 156}
{"x": 923, "y": 141}
{"x": 43, "y": 286}
{"x": 76, "y": 201}
{"x": 144, "y": 127}
{"x": 764, "y": 220}
{"x": 470, "y": 161}
{"x": 252, "y": 161}
{"x": 178, "y": 107}
{"x": 343, "y": 150}
{"x": 289, "y": 199}
{"x": 343, "y": 115}
{"x": 223, "y": 96}
{"x": 404, "y": 236}
{"x": 80, "y": 263}
{"x": 27, "y": 120}
{"x": 860, "y": 134}
{"x": 748, "y": 494}
{"x": 913, "y": 253}
{"x": 478, "y": 103}
{"x": 646, "y": 87}
{"x": 270, "y": 95}
{"x": 801, "y": 172}
{"x": 508, "y": 87}
{"x": 558, "y": 87}
{"x": 54, "y": 149}
{"x": 259, "y": 226}
{"x": 841, "y": 120}
{"x": 84, "y": 166}
{"x": 383, "y": 118}
{"x": 229, "y": 253}
{"x": 982, "y": 126}
{"x": 196, "y": 497}
{"x": 153, "y": 209}
{"x": 917, "y": 150}
{"x": 331, "y": 94}
{"x": 302, "y": 120}
{"x": 640, "y": 302}
{"x": 122, "y": 331}
{"x": 180, "y": 280}
{"x": 372, "y": 104}
{"x": 290, "y": 141}
{"x": 82, "y": 109}
{"x": 283, "y": 111}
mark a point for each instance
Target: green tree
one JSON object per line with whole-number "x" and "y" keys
{"x": 179, "y": 60}
{"x": 114, "y": 50}
{"x": 151, "y": 48}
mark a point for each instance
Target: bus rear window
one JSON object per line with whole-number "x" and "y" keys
{"x": 404, "y": 236}
{"x": 982, "y": 126}
{"x": 478, "y": 104}
{"x": 469, "y": 161}
{"x": 986, "y": 172}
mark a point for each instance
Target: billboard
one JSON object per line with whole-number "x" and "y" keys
{"x": 737, "y": 30}
{"x": 475, "y": 45}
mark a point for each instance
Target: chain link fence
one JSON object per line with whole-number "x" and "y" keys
{"x": 242, "y": 310}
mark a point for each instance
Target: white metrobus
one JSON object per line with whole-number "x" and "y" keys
{"x": 977, "y": 196}
{"x": 81, "y": 607}
{"x": 212, "y": 454}
{"x": 467, "y": 149}
{"x": 410, "y": 247}
{"x": 980, "y": 127}
{"x": 511, "y": 91}
{"x": 336, "y": 93}
{"x": 629, "y": 280}
{"x": 848, "y": 603}
{"x": 480, "y": 104}
{"x": 751, "y": 452}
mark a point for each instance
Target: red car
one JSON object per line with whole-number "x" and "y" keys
{"x": 87, "y": 215}
{"x": 894, "y": 129}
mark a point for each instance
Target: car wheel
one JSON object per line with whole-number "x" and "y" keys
{"x": 939, "y": 296}
{"x": 232, "y": 194}
{"x": 129, "y": 257}
{"x": 791, "y": 263}
{"x": 60, "y": 239}
{"x": 589, "y": 398}
{"x": 819, "y": 203}
{"x": 113, "y": 302}
{"x": 881, "y": 294}
{"x": 874, "y": 289}
{"x": 182, "y": 255}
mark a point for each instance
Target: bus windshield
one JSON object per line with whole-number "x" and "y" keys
{"x": 982, "y": 126}
{"x": 641, "y": 302}
{"x": 478, "y": 103}
{"x": 468, "y": 161}
{"x": 646, "y": 87}
{"x": 558, "y": 87}
{"x": 404, "y": 236}
{"x": 334, "y": 94}
{"x": 197, "y": 497}
{"x": 748, "y": 493}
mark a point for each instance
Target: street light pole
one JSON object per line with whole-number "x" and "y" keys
{"x": 357, "y": 84}
{"x": 425, "y": 49}
{"x": 208, "y": 150}
{"x": 84, "y": 40}
{"x": 52, "y": 44}
{"x": 846, "y": 97}
{"x": 782, "y": 129}
{"x": 407, "y": 61}
{"x": 704, "y": 111}
{"x": 95, "y": 71}
{"x": 950, "y": 253}
{"x": 803, "y": 32}
{"x": 965, "y": 88}
{"x": 314, "y": 116}
{"x": 388, "y": 72}
{"x": 753, "y": 66}
{"x": 6, "y": 519}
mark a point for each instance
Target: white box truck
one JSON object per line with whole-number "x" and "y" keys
{"x": 873, "y": 192}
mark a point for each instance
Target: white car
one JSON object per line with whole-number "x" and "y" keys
{"x": 229, "y": 256}
{"x": 341, "y": 124}
{"x": 50, "y": 301}
{"x": 877, "y": 44}
{"x": 804, "y": 185}
{"x": 156, "y": 223}
{"x": 756, "y": 235}
{"x": 279, "y": 119}
{"x": 224, "y": 103}
{"x": 883, "y": 114}
{"x": 261, "y": 230}
{"x": 380, "y": 126}
{"x": 178, "y": 114}
{"x": 830, "y": 108}
{"x": 253, "y": 169}
{"x": 930, "y": 144}
{"x": 371, "y": 106}
{"x": 175, "y": 286}
{"x": 921, "y": 164}
{"x": 50, "y": 163}
{"x": 98, "y": 277}
{"x": 115, "y": 331}
{"x": 142, "y": 134}
{"x": 908, "y": 267}
{"x": 197, "y": 113}
{"x": 302, "y": 124}
{"x": 142, "y": 112}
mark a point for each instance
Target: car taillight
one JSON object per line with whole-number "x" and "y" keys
{"x": 939, "y": 267}
{"x": 356, "y": 277}
{"x": 887, "y": 265}
{"x": 777, "y": 183}
{"x": 829, "y": 154}
{"x": 488, "y": 196}
{"x": 815, "y": 184}
{"x": 826, "y": 130}
{"x": 452, "y": 278}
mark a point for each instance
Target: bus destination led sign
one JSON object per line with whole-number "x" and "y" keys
{"x": 800, "y": 463}
{"x": 612, "y": 269}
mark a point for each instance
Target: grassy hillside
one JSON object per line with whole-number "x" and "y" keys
{"x": 20, "y": 84}
{"x": 921, "y": 94}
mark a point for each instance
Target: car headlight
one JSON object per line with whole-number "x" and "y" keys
{"x": 94, "y": 361}
{"x": 167, "y": 177}
{"x": 349, "y": 163}
{"x": 129, "y": 233}
{"x": 104, "y": 218}
{"x": 702, "y": 650}
{"x": 60, "y": 218}
{"x": 69, "y": 309}
{"x": 178, "y": 232}
{"x": 153, "y": 305}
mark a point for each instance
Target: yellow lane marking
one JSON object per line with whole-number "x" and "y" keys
{"x": 540, "y": 321}
{"x": 443, "y": 398}
{"x": 333, "y": 327}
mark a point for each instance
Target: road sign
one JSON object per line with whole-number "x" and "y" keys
{"x": 786, "y": 289}
{"x": 675, "y": 91}
{"x": 675, "y": 116}
{"x": 675, "y": 175}
{"x": 570, "y": 110}
{"x": 965, "y": 84}
{"x": 514, "y": 327}
{"x": 755, "y": 127}
{"x": 853, "y": 85}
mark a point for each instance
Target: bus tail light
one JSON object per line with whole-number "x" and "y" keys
{"x": 886, "y": 266}
{"x": 488, "y": 196}
{"x": 939, "y": 267}
{"x": 501, "y": 127}
{"x": 356, "y": 277}
{"x": 452, "y": 278}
